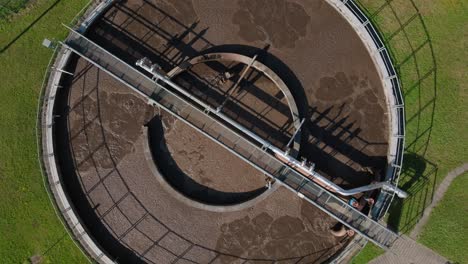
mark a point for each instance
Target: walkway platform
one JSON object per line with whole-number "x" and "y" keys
{"x": 408, "y": 251}
{"x": 204, "y": 119}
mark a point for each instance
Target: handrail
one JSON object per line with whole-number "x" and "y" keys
{"x": 397, "y": 107}
{"x": 284, "y": 156}
{"x": 45, "y": 145}
{"x": 376, "y": 47}
{"x": 260, "y": 156}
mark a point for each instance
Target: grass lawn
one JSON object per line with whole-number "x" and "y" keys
{"x": 28, "y": 223}
{"x": 8, "y": 7}
{"x": 368, "y": 253}
{"x": 427, "y": 40}
{"x": 447, "y": 229}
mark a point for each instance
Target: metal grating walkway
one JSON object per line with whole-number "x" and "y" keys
{"x": 206, "y": 121}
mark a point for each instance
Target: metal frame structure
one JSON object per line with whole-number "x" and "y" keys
{"x": 45, "y": 132}
{"x": 284, "y": 156}
{"x": 392, "y": 88}
{"x": 397, "y": 105}
{"x": 261, "y": 155}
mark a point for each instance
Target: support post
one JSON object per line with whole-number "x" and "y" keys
{"x": 295, "y": 133}
{"x": 234, "y": 87}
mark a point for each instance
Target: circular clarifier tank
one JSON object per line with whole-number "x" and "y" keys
{"x": 148, "y": 187}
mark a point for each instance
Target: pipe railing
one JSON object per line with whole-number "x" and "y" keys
{"x": 255, "y": 151}
{"x": 45, "y": 142}
{"x": 397, "y": 106}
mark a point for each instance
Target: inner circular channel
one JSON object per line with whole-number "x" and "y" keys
{"x": 201, "y": 169}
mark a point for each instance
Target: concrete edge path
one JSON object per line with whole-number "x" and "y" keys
{"x": 439, "y": 194}
{"x": 406, "y": 249}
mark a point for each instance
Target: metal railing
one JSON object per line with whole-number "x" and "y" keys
{"x": 46, "y": 154}
{"x": 397, "y": 106}
{"x": 236, "y": 143}
{"x": 80, "y": 16}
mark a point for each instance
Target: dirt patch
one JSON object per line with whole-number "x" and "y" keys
{"x": 36, "y": 259}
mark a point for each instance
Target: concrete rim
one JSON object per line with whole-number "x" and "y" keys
{"x": 294, "y": 113}
{"x": 191, "y": 202}
{"x": 54, "y": 180}
{"x": 228, "y": 56}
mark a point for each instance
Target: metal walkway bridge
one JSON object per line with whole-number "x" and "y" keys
{"x": 211, "y": 123}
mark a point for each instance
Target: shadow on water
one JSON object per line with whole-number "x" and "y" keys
{"x": 250, "y": 116}
{"x": 174, "y": 48}
{"x": 337, "y": 148}
{"x": 69, "y": 174}
{"x": 417, "y": 174}
{"x": 183, "y": 182}
{"x": 100, "y": 219}
{"x": 276, "y": 65}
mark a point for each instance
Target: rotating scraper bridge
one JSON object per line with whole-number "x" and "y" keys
{"x": 147, "y": 80}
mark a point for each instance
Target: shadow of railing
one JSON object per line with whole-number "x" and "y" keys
{"x": 118, "y": 39}
{"x": 418, "y": 179}
{"x": 176, "y": 40}
{"x": 408, "y": 40}
{"x": 182, "y": 182}
{"x": 416, "y": 66}
{"x": 68, "y": 169}
{"x": 275, "y": 128}
{"x": 134, "y": 223}
{"x": 118, "y": 220}
{"x": 335, "y": 144}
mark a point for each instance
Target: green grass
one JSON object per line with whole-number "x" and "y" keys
{"x": 368, "y": 253}
{"x": 447, "y": 229}
{"x": 436, "y": 94}
{"x": 28, "y": 223}
{"x": 11, "y": 7}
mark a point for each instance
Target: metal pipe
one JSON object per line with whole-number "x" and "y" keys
{"x": 279, "y": 154}
{"x": 327, "y": 184}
